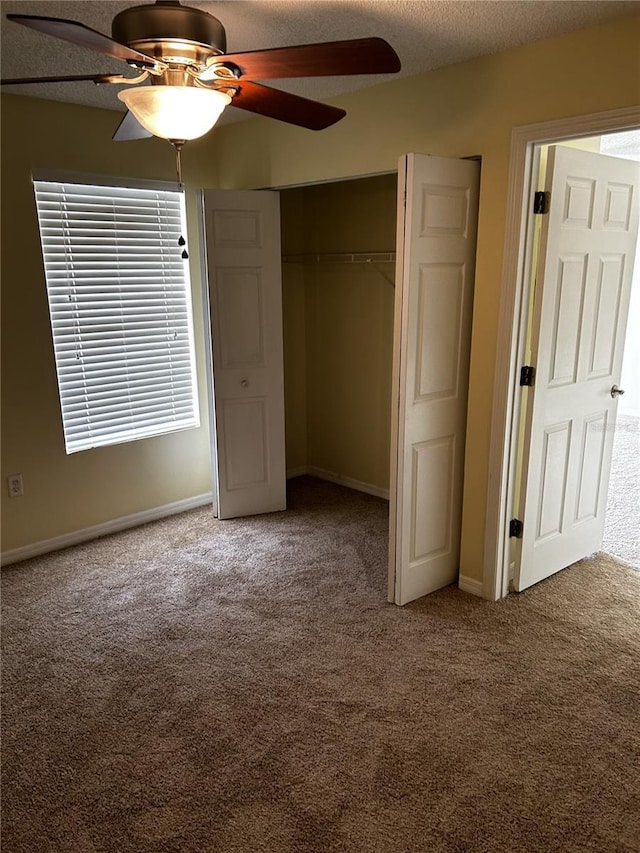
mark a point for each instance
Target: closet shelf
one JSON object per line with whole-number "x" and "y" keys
{"x": 374, "y": 259}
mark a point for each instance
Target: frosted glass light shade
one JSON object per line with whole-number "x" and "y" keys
{"x": 175, "y": 112}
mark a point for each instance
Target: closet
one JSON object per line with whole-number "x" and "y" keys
{"x": 338, "y": 253}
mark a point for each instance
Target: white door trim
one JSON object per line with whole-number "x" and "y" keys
{"x": 512, "y": 325}
{"x": 208, "y": 350}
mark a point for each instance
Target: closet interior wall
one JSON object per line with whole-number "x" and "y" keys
{"x": 338, "y": 328}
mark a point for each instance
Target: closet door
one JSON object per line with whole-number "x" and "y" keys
{"x": 242, "y": 233}
{"x": 437, "y": 218}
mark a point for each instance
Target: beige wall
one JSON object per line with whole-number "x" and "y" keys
{"x": 338, "y": 327}
{"x": 293, "y": 231}
{"x": 467, "y": 109}
{"x": 64, "y": 493}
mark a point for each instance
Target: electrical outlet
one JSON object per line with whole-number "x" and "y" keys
{"x": 14, "y": 481}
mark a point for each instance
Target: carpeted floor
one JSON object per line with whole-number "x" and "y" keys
{"x": 622, "y": 524}
{"x": 243, "y": 687}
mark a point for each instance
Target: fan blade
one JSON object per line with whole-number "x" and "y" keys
{"x": 328, "y": 59}
{"x": 284, "y": 106}
{"x": 96, "y": 78}
{"x": 130, "y": 128}
{"x": 84, "y": 36}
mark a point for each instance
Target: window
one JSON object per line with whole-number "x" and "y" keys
{"x": 120, "y": 308}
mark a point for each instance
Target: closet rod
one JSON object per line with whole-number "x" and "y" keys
{"x": 341, "y": 258}
{"x": 374, "y": 259}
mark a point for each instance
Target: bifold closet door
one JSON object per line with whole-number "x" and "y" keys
{"x": 437, "y": 218}
{"x": 242, "y": 233}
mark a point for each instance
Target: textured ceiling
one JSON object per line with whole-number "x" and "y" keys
{"x": 426, "y": 35}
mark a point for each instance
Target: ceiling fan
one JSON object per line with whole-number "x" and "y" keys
{"x": 181, "y": 51}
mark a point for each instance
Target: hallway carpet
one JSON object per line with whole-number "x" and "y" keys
{"x": 622, "y": 523}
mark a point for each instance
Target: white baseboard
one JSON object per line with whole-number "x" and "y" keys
{"x": 45, "y": 546}
{"x": 297, "y": 472}
{"x": 471, "y": 585}
{"x": 334, "y": 477}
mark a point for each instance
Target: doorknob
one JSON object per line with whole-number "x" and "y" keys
{"x": 244, "y": 383}
{"x": 616, "y": 392}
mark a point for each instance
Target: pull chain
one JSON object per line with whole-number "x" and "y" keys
{"x": 178, "y": 147}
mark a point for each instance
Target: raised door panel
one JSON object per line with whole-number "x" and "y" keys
{"x": 432, "y": 476}
{"x": 553, "y": 474}
{"x": 240, "y": 305}
{"x": 579, "y": 201}
{"x": 439, "y": 319}
{"x": 246, "y": 439}
{"x": 608, "y": 301}
{"x": 444, "y": 211}
{"x": 565, "y": 343}
{"x": 592, "y": 450}
{"x": 237, "y": 229}
{"x": 618, "y": 206}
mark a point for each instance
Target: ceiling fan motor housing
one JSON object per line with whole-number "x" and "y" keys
{"x": 169, "y": 31}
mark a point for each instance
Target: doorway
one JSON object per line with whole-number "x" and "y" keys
{"x": 530, "y": 154}
{"x": 338, "y": 253}
{"x": 622, "y": 522}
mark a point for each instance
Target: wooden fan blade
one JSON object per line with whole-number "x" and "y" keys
{"x": 130, "y": 128}
{"x": 328, "y": 59}
{"x": 284, "y": 106}
{"x": 84, "y": 36}
{"x": 96, "y": 78}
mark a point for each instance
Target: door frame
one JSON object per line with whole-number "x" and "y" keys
{"x": 512, "y": 324}
{"x": 208, "y": 352}
{"x": 206, "y": 308}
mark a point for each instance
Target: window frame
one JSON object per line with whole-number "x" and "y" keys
{"x": 180, "y": 282}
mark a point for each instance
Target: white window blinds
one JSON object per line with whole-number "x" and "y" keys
{"x": 119, "y": 300}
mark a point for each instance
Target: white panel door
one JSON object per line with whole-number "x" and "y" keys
{"x": 242, "y": 232}
{"x": 437, "y": 219}
{"x": 581, "y": 305}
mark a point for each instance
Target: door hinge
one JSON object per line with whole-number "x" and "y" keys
{"x": 527, "y": 375}
{"x": 515, "y": 528}
{"x": 541, "y": 202}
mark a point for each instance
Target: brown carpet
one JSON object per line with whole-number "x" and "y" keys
{"x": 244, "y": 687}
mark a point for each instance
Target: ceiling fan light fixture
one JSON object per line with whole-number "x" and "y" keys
{"x": 175, "y": 112}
